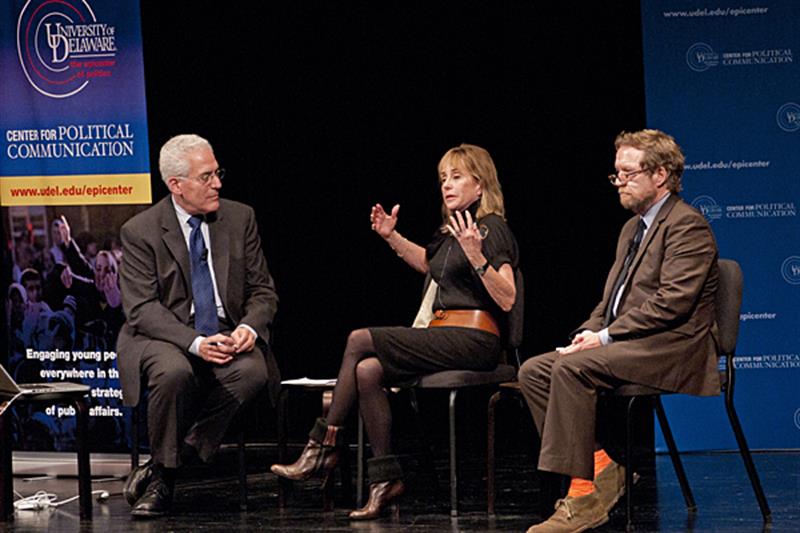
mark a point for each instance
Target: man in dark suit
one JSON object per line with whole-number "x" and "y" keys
{"x": 198, "y": 301}
{"x": 654, "y": 326}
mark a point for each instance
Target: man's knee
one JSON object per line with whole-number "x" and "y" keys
{"x": 248, "y": 376}
{"x": 173, "y": 379}
{"x": 580, "y": 368}
{"x": 536, "y": 368}
{"x": 564, "y": 366}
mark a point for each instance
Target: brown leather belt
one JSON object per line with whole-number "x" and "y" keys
{"x": 465, "y": 318}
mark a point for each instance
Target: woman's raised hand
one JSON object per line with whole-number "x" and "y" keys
{"x": 466, "y": 232}
{"x": 382, "y": 223}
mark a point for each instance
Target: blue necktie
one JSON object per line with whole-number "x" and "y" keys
{"x": 205, "y": 307}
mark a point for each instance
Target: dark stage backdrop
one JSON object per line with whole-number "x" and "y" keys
{"x": 319, "y": 110}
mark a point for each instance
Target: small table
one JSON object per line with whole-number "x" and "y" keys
{"x": 75, "y": 395}
{"x": 325, "y": 387}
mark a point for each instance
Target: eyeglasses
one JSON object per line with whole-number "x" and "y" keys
{"x": 625, "y": 177}
{"x": 206, "y": 178}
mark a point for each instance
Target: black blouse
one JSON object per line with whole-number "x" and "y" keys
{"x": 460, "y": 287}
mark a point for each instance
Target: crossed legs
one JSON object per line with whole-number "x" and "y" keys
{"x": 361, "y": 378}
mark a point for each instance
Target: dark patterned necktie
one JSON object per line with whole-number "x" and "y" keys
{"x": 205, "y": 307}
{"x": 633, "y": 247}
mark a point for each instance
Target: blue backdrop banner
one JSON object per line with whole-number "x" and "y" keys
{"x": 74, "y": 140}
{"x": 723, "y": 79}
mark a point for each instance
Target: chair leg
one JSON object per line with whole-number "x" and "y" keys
{"x": 6, "y": 470}
{"x": 453, "y": 462}
{"x": 330, "y": 483}
{"x": 84, "y": 467}
{"x": 744, "y": 449}
{"x": 629, "y": 466}
{"x": 490, "y": 431}
{"x": 135, "y": 437}
{"x": 242, "y": 471}
{"x": 346, "y": 473}
{"x": 360, "y": 463}
{"x": 327, "y": 493}
{"x": 428, "y": 464}
{"x": 673, "y": 454}
{"x": 284, "y": 485}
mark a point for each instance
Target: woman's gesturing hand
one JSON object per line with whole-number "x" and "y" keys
{"x": 382, "y": 223}
{"x": 466, "y": 232}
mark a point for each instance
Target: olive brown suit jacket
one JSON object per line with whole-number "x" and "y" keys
{"x": 665, "y": 331}
{"x": 155, "y": 277}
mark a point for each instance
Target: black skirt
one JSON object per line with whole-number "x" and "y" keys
{"x": 406, "y": 354}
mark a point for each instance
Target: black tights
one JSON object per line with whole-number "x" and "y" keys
{"x": 361, "y": 378}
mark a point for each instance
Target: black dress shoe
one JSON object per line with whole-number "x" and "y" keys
{"x": 137, "y": 482}
{"x": 156, "y": 501}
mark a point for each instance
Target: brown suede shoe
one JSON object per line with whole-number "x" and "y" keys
{"x": 574, "y": 515}
{"x": 610, "y": 485}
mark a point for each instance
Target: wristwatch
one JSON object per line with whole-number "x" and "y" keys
{"x": 481, "y": 270}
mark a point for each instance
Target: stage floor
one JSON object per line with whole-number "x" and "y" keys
{"x": 206, "y": 500}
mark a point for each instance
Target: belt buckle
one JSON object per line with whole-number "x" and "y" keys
{"x": 440, "y": 314}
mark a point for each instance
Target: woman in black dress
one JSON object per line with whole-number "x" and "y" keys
{"x": 472, "y": 259}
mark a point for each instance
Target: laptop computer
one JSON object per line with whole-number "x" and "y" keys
{"x": 10, "y": 390}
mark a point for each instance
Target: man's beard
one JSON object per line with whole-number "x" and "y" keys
{"x": 638, "y": 206}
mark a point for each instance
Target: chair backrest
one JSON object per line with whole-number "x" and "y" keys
{"x": 728, "y": 302}
{"x": 517, "y": 314}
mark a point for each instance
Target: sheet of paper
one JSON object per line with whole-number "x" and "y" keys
{"x": 310, "y": 382}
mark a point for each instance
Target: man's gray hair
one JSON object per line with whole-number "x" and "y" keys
{"x": 173, "y": 161}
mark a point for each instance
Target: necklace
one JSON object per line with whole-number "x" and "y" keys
{"x": 441, "y": 276}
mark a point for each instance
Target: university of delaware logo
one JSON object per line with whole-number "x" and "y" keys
{"x": 700, "y": 57}
{"x": 62, "y": 46}
{"x": 788, "y": 117}
{"x": 708, "y": 207}
{"x": 790, "y": 269}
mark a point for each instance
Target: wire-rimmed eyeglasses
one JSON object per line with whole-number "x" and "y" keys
{"x": 624, "y": 177}
{"x": 206, "y": 178}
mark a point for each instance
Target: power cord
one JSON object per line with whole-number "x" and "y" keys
{"x": 45, "y": 500}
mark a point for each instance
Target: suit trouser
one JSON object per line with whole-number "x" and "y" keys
{"x": 192, "y": 401}
{"x": 561, "y": 392}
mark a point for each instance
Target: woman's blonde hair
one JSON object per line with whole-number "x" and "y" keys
{"x": 478, "y": 163}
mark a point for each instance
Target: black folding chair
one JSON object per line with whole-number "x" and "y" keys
{"x": 728, "y": 302}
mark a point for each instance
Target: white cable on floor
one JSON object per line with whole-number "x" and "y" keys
{"x": 46, "y": 500}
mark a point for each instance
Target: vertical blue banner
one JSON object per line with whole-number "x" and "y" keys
{"x": 72, "y": 106}
{"x": 74, "y": 164}
{"x": 722, "y": 78}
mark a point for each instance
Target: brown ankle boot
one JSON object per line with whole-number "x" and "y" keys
{"x": 386, "y": 484}
{"x": 320, "y": 455}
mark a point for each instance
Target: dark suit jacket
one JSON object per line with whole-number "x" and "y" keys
{"x": 665, "y": 331}
{"x": 155, "y": 277}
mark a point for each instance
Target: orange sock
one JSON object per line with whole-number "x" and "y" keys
{"x": 601, "y": 461}
{"x": 580, "y": 487}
